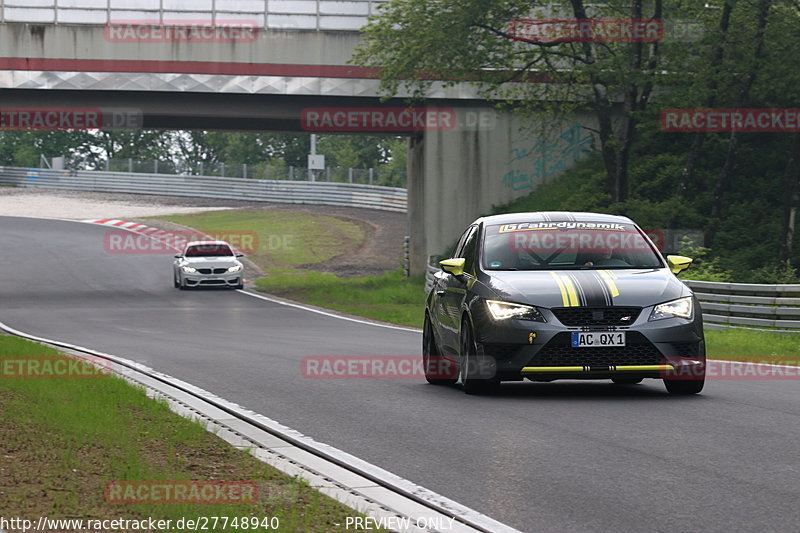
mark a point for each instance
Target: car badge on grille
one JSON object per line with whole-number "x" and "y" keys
{"x": 626, "y": 319}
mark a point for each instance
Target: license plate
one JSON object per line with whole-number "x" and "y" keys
{"x": 597, "y": 339}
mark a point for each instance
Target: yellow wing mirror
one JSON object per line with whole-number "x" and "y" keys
{"x": 453, "y": 266}
{"x": 678, "y": 263}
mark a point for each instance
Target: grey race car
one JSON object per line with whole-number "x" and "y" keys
{"x": 556, "y": 295}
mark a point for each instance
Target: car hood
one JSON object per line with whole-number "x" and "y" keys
{"x": 590, "y": 288}
{"x": 210, "y": 262}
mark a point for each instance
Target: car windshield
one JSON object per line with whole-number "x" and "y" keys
{"x": 567, "y": 245}
{"x": 209, "y": 250}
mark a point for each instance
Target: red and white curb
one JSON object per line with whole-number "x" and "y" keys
{"x": 142, "y": 229}
{"x": 165, "y": 237}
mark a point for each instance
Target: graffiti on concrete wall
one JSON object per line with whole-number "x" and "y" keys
{"x": 533, "y": 164}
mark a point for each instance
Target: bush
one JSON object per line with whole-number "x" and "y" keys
{"x": 704, "y": 267}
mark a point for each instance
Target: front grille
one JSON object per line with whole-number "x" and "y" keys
{"x": 690, "y": 349}
{"x": 596, "y": 316}
{"x": 212, "y": 270}
{"x": 559, "y": 352}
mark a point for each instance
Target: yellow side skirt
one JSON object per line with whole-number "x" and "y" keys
{"x": 588, "y": 369}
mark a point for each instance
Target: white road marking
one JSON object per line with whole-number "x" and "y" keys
{"x": 327, "y": 313}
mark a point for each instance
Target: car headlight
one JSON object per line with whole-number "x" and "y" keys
{"x": 235, "y": 268}
{"x": 504, "y": 310}
{"x": 682, "y": 307}
{"x": 189, "y": 270}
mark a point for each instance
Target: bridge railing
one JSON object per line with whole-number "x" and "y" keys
{"x": 344, "y": 15}
{"x": 730, "y": 305}
{"x": 283, "y": 191}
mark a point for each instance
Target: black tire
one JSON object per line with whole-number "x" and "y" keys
{"x": 626, "y": 381}
{"x": 687, "y": 382}
{"x": 685, "y": 386}
{"x": 175, "y": 283}
{"x": 239, "y": 286}
{"x": 182, "y": 286}
{"x": 432, "y": 361}
{"x": 470, "y": 370}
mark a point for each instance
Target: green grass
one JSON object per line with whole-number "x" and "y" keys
{"x": 286, "y": 239}
{"x": 748, "y": 345}
{"x": 315, "y": 239}
{"x": 63, "y": 439}
{"x": 389, "y": 297}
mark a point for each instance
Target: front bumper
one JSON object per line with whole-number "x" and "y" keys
{"x": 542, "y": 351}
{"x": 231, "y": 279}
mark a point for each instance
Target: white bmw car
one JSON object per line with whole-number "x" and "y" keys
{"x": 208, "y": 264}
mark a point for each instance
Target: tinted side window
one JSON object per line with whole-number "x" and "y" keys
{"x": 468, "y": 252}
{"x": 460, "y": 246}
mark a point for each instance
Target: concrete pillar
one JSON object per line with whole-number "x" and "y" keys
{"x": 489, "y": 158}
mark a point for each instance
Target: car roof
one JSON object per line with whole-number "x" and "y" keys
{"x": 207, "y": 243}
{"x": 552, "y": 216}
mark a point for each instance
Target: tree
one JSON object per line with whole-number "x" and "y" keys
{"x": 416, "y": 42}
{"x": 24, "y": 148}
{"x": 743, "y": 99}
{"x": 355, "y": 151}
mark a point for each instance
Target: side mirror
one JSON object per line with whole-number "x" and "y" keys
{"x": 453, "y": 266}
{"x": 178, "y": 256}
{"x": 678, "y": 263}
{"x": 238, "y": 254}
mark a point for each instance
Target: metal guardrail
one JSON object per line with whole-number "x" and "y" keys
{"x": 749, "y": 305}
{"x": 293, "y": 192}
{"x": 341, "y": 15}
{"x": 387, "y": 177}
{"x": 732, "y": 305}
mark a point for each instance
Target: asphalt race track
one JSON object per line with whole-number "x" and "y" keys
{"x": 565, "y": 456}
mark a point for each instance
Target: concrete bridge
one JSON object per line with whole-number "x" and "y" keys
{"x": 274, "y": 65}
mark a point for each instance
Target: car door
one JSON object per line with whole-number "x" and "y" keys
{"x": 442, "y": 322}
{"x": 452, "y": 291}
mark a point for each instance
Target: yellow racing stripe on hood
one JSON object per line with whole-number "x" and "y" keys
{"x": 569, "y": 296}
{"x": 564, "y": 297}
{"x": 608, "y": 278}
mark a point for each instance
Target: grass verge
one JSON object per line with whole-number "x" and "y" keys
{"x": 314, "y": 239}
{"x": 63, "y": 439}
{"x": 757, "y": 346}
{"x": 389, "y": 297}
{"x": 285, "y": 239}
